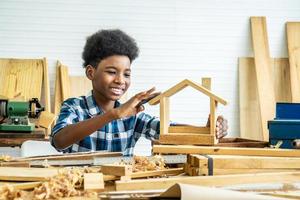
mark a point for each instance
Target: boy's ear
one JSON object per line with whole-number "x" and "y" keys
{"x": 90, "y": 72}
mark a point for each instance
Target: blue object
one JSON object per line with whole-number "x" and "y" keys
{"x": 287, "y": 111}
{"x": 286, "y": 125}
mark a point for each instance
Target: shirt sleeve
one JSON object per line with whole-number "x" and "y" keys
{"x": 147, "y": 126}
{"x": 66, "y": 117}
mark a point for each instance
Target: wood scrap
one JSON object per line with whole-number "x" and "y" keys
{"x": 117, "y": 170}
{"x": 93, "y": 182}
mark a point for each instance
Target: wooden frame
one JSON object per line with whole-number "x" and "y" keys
{"x": 187, "y": 134}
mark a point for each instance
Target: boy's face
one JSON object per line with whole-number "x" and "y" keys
{"x": 111, "y": 78}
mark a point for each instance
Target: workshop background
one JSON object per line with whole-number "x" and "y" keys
{"x": 177, "y": 40}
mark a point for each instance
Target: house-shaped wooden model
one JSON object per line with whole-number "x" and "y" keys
{"x": 186, "y": 134}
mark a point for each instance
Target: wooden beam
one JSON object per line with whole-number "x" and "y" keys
{"x": 212, "y": 119}
{"x": 293, "y": 42}
{"x": 26, "y": 174}
{"x": 214, "y": 181}
{"x": 182, "y": 138}
{"x": 189, "y": 129}
{"x": 263, "y": 72}
{"x": 190, "y": 149}
{"x": 164, "y": 115}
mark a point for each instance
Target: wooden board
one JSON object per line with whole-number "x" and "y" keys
{"x": 79, "y": 85}
{"x": 266, "y": 94}
{"x": 28, "y": 75}
{"x": 58, "y": 91}
{"x": 250, "y": 126}
{"x": 293, "y": 43}
{"x": 26, "y": 174}
{"x": 214, "y": 181}
{"x": 190, "y": 149}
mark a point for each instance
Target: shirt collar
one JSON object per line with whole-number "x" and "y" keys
{"x": 93, "y": 108}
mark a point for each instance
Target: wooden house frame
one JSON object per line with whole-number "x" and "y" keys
{"x": 187, "y": 134}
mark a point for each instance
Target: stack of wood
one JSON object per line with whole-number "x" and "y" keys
{"x": 204, "y": 165}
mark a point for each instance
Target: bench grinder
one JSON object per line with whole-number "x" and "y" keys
{"x": 15, "y": 115}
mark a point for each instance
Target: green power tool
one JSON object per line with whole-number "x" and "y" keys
{"x": 15, "y": 115}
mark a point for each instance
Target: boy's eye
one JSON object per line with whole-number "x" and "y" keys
{"x": 127, "y": 75}
{"x": 111, "y": 72}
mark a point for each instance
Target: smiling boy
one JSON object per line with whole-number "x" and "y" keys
{"x": 99, "y": 121}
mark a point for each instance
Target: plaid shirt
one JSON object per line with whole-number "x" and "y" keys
{"x": 117, "y": 136}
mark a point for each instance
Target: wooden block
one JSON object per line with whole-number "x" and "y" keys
{"x": 263, "y": 69}
{"x": 211, "y": 150}
{"x": 93, "y": 182}
{"x": 189, "y": 129}
{"x": 200, "y": 139}
{"x": 46, "y": 119}
{"x": 206, "y": 82}
{"x": 293, "y": 42}
{"x": 117, "y": 170}
{"x": 164, "y": 115}
{"x": 214, "y": 181}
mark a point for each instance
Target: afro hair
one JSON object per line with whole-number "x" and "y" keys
{"x": 105, "y": 43}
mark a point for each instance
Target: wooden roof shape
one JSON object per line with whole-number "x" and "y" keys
{"x": 183, "y": 84}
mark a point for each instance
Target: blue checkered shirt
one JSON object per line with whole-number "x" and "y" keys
{"x": 118, "y": 135}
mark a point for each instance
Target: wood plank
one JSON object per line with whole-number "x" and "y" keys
{"x": 246, "y": 162}
{"x": 204, "y": 171}
{"x": 164, "y": 115}
{"x": 171, "y": 171}
{"x": 266, "y": 94}
{"x": 250, "y": 126}
{"x": 46, "y": 86}
{"x": 189, "y": 129}
{"x": 26, "y": 174}
{"x": 65, "y": 82}
{"x": 181, "y": 138}
{"x": 116, "y": 170}
{"x": 93, "y": 182}
{"x": 213, "y": 119}
{"x": 58, "y": 90}
{"x": 79, "y": 85}
{"x": 214, "y": 181}
{"x": 293, "y": 43}
{"x": 46, "y": 119}
{"x": 23, "y": 186}
{"x": 190, "y": 149}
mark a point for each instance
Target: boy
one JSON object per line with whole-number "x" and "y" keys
{"x": 98, "y": 121}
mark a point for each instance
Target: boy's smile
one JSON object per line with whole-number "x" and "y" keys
{"x": 110, "y": 79}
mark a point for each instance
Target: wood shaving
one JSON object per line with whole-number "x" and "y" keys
{"x": 5, "y": 158}
{"x": 68, "y": 183}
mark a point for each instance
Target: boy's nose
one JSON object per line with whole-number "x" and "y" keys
{"x": 120, "y": 79}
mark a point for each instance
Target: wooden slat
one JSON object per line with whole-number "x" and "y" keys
{"x": 58, "y": 90}
{"x": 65, "y": 82}
{"x": 23, "y": 186}
{"x": 293, "y": 42}
{"x": 172, "y": 171}
{"x": 46, "y": 85}
{"x": 212, "y": 119}
{"x": 282, "y": 83}
{"x": 189, "y": 149}
{"x": 264, "y": 72}
{"x": 189, "y": 129}
{"x": 214, "y": 181}
{"x": 164, "y": 115}
{"x": 79, "y": 85}
{"x": 181, "y": 138}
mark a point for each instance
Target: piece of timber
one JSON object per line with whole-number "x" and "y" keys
{"x": 190, "y": 149}
{"x": 214, "y": 181}
{"x": 22, "y": 186}
{"x": 241, "y": 142}
{"x": 117, "y": 170}
{"x": 175, "y": 171}
{"x": 189, "y": 129}
{"x": 26, "y": 174}
{"x": 181, "y": 138}
{"x": 264, "y": 72}
{"x": 245, "y": 162}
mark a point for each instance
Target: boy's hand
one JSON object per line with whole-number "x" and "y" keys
{"x": 221, "y": 126}
{"x": 133, "y": 105}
